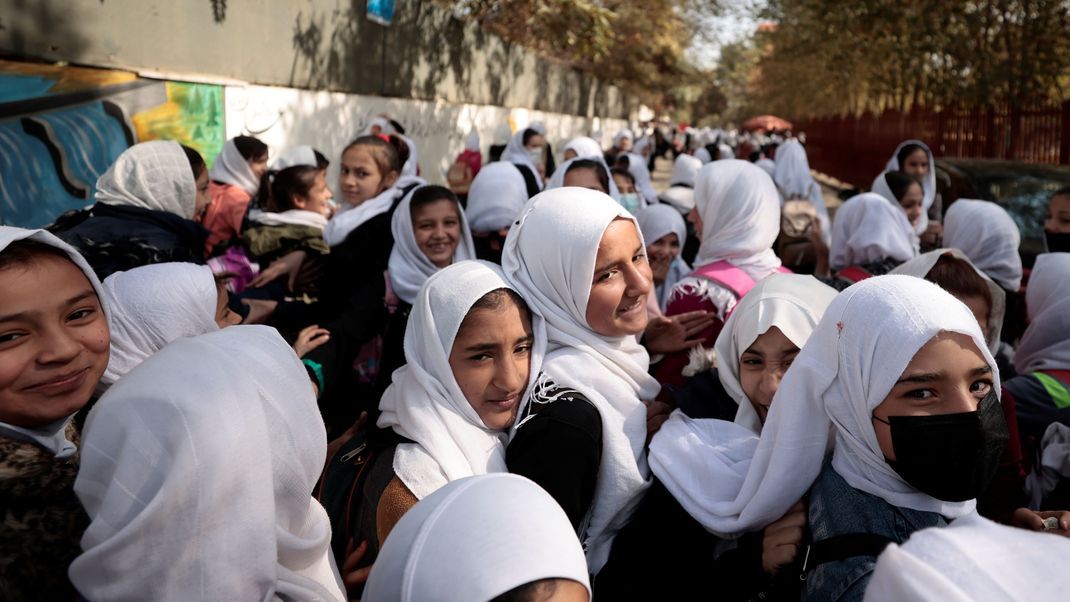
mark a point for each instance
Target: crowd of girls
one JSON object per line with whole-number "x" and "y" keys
{"x": 543, "y": 382}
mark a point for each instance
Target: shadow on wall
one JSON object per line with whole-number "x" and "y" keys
{"x": 427, "y": 54}
{"x": 62, "y": 127}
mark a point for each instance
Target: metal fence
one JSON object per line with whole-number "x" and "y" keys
{"x": 855, "y": 149}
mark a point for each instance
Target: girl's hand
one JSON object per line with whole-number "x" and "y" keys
{"x": 1024, "y": 518}
{"x": 288, "y": 265}
{"x": 351, "y": 575}
{"x": 309, "y": 339}
{"x": 783, "y": 538}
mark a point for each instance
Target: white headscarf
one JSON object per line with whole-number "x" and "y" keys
{"x": 792, "y": 176}
{"x": 740, "y": 211}
{"x": 555, "y": 279}
{"x": 681, "y": 191}
{"x": 495, "y": 198}
{"x": 725, "y": 152}
{"x": 408, "y": 266}
{"x": 350, "y": 218}
{"x": 502, "y": 133}
{"x": 291, "y": 217}
{"x": 51, "y": 436}
{"x": 1046, "y": 342}
{"x": 152, "y": 175}
{"x": 637, "y": 167}
{"x": 622, "y": 134}
{"x": 411, "y": 168}
{"x": 516, "y": 152}
{"x": 153, "y": 305}
{"x": 767, "y": 165}
{"x": 920, "y": 266}
{"x": 475, "y": 539}
{"x": 858, "y": 351}
{"x": 928, "y": 184}
{"x": 660, "y": 220}
{"x": 385, "y": 127}
{"x": 972, "y": 560}
{"x": 869, "y": 228}
{"x": 298, "y": 155}
{"x": 471, "y": 141}
{"x": 557, "y": 180}
{"x": 197, "y": 474}
{"x": 791, "y": 302}
{"x": 425, "y": 404}
{"x": 584, "y": 147}
{"x": 987, "y": 234}
{"x": 641, "y": 145}
{"x": 231, "y": 167}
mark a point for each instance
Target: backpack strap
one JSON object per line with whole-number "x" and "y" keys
{"x": 1059, "y": 392}
{"x": 842, "y": 547}
{"x": 727, "y": 276}
{"x": 529, "y": 179}
{"x": 853, "y": 273}
{"x": 784, "y": 270}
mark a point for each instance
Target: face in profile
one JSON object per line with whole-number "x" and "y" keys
{"x": 53, "y": 341}
{"x": 621, "y": 282}
{"x": 491, "y": 358}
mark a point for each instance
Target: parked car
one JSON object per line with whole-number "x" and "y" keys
{"x": 1023, "y": 189}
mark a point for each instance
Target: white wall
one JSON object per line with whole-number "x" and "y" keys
{"x": 328, "y": 121}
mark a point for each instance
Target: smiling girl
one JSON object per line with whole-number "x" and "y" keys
{"x": 53, "y": 351}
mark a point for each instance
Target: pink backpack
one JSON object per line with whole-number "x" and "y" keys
{"x": 729, "y": 277}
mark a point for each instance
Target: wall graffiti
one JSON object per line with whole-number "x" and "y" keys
{"x": 61, "y": 127}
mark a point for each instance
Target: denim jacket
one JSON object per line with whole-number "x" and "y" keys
{"x": 836, "y": 508}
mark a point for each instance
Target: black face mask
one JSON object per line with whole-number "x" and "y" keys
{"x": 1058, "y": 242}
{"x": 951, "y": 457}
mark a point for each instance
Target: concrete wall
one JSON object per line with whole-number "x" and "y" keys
{"x": 309, "y": 44}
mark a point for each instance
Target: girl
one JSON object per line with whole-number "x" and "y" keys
{"x": 987, "y": 234}
{"x": 147, "y": 202}
{"x": 737, "y": 212}
{"x": 625, "y": 184}
{"x": 1057, "y": 225}
{"x": 494, "y": 201}
{"x": 53, "y": 351}
{"x": 471, "y": 346}
{"x": 525, "y": 150}
{"x": 440, "y": 550}
{"x": 636, "y": 166}
{"x": 665, "y": 232}
{"x": 582, "y": 148}
{"x": 591, "y": 287}
{"x": 235, "y": 178}
{"x": 586, "y": 173}
{"x": 903, "y": 189}
{"x": 794, "y": 182}
{"x": 898, "y": 370}
{"x": 155, "y": 304}
{"x": 171, "y": 523}
{"x": 870, "y": 237}
{"x": 681, "y": 191}
{"x": 915, "y": 159}
{"x": 622, "y": 144}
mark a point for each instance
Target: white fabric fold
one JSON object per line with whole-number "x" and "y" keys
{"x": 555, "y": 279}
{"x": 972, "y": 560}
{"x": 471, "y": 141}
{"x": 1046, "y": 342}
{"x": 298, "y": 155}
{"x": 928, "y": 183}
{"x": 793, "y": 303}
{"x": 290, "y": 217}
{"x": 870, "y": 228}
{"x": 495, "y": 197}
{"x": 52, "y": 436}
{"x": 641, "y": 174}
{"x": 424, "y": 402}
{"x": 153, "y": 305}
{"x": 408, "y": 266}
{"x": 793, "y": 179}
{"x": 350, "y": 218}
{"x": 988, "y": 235}
{"x": 197, "y": 473}
{"x": 920, "y": 266}
{"x": 475, "y": 539}
{"x": 859, "y": 349}
{"x": 152, "y": 175}
{"x": 584, "y": 147}
{"x": 740, "y": 211}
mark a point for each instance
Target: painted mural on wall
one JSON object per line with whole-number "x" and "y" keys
{"x": 61, "y": 127}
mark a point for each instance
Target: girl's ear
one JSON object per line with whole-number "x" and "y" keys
{"x": 298, "y": 202}
{"x": 390, "y": 179}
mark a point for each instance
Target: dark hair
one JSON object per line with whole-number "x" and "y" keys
{"x": 425, "y": 195}
{"x": 23, "y": 253}
{"x": 899, "y": 182}
{"x": 958, "y": 277}
{"x": 397, "y": 126}
{"x": 390, "y": 154}
{"x": 196, "y": 161}
{"x": 754, "y": 156}
{"x": 321, "y": 161}
{"x": 497, "y": 298}
{"x": 529, "y": 592}
{"x": 528, "y": 135}
{"x": 596, "y": 166}
{"x": 288, "y": 183}
{"x": 251, "y": 149}
{"x": 620, "y": 171}
{"x": 622, "y": 162}
{"x": 908, "y": 150}
{"x": 1064, "y": 191}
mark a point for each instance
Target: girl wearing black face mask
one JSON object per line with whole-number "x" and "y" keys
{"x": 899, "y": 373}
{"x": 1057, "y": 226}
